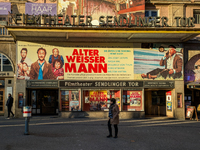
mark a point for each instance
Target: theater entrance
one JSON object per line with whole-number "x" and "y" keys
{"x": 155, "y": 102}
{"x": 43, "y": 102}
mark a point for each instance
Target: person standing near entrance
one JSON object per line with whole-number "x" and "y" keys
{"x": 113, "y": 118}
{"x": 9, "y": 104}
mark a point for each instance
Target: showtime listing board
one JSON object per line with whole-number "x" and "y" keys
{"x": 38, "y": 61}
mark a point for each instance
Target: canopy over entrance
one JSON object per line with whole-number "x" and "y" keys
{"x": 193, "y": 85}
{"x": 99, "y": 34}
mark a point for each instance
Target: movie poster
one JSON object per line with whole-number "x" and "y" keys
{"x": 38, "y": 62}
{"x": 192, "y": 67}
{"x": 169, "y": 106}
{"x": 74, "y": 106}
{"x": 159, "y": 62}
{"x": 135, "y": 98}
{"x": 98, "y": 95}
{"x": 168, "y": 95}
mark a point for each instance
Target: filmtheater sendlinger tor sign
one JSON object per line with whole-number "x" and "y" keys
{"x": 104, "y": 21}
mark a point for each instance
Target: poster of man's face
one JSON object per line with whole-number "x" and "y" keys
{"x": 41, "y": 55}
{"x": 23, "y": 53}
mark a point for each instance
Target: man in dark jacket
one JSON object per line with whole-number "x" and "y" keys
{"x": 9, "y": 104}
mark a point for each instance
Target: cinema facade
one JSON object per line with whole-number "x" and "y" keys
{"x": 74, "y": 70}
{"x": 103, "y": 64}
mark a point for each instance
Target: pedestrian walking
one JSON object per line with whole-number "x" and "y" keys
{"x": 9, "y": 105}
{"x": 113, "y": 118}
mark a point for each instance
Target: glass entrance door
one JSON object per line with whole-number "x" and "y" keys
{"x": 1, "y": 101}
{"x": 44, "y": 102}
{"x": 48, "y": 101}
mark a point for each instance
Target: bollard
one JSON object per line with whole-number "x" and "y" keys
{"x": 26, "y": 126}
{"x": 27, "y": 115}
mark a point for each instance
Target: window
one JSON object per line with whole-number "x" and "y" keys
{"x": 2, "y": 18}
{"x": 99, "y": 100}
{"x": 132, "y": 100}
{"x": 5, "y": 64}
{"x": 151, "y": 13}
{"x": 70, "y": 100}
{"x": 196, "y": 15}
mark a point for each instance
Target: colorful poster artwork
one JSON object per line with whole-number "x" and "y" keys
{"x": 135, "y": 98}
{"x": 168, "y": 95}
{"x": 98, "y": 95}
{"x": 169, "y": 106}
{"x": 74, "y": 106}
{"x": 159, "y": 62}
{"x": 65, "y": 95}
{"x": 189, "y": 111}
{"x": 97, "y": 8}
{"x": 38, "y": 61}
{"x": 20, "y": 100}
{"x": 65, "y": 100}
{"x": 192, "y": 67}
{"x": 74, "y": 95}
{"x": 87, "y": 100}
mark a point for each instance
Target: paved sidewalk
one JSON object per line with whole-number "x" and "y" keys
{"x": 53, "y": 133}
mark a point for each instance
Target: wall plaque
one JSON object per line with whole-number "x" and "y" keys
{"x": 42, "y": 83}
{"x": 159, "y": 84}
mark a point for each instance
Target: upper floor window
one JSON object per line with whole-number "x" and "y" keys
{"x": 196, "y": 15}
{"x": 5, "y": 64}
{"x": 151, "y": 13}
{"x": 2, "y": 18}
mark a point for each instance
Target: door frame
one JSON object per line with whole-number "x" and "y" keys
{"x": 2, "y": 89}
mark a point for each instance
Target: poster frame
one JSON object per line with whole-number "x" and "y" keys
{"x": 20, "y": 93}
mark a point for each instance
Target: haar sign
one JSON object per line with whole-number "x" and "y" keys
{"x": 40, "y": 9}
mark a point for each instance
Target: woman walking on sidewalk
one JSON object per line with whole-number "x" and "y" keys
{"x": 113, "y": 118}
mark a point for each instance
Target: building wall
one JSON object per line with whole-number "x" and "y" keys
{"x": 8, "y": 48}
{"x": 172, "y": 9}
{"x": 189, "y": 12}
{"x": 169, "y": 10}
{"x": 179, "y": 112}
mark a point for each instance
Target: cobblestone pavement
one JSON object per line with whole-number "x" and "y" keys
{"x": 53, "y": 133}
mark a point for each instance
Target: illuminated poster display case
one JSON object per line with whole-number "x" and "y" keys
{"x": 99, "y": 100}
{"x": 70, "y": 100}
{"x": 132, "y": 100}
